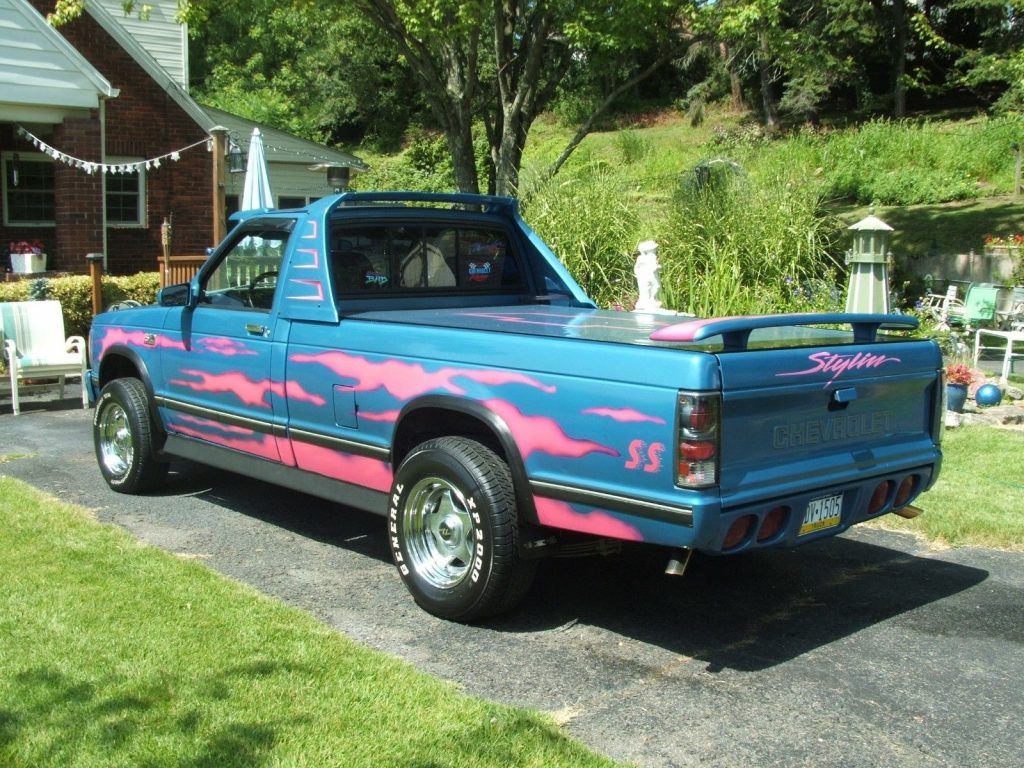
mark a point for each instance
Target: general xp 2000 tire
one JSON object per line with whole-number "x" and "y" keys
{"x": 123, "y": 433}
{"x": 453, "y": 530}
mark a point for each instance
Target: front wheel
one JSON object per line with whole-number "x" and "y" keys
{"x": 123, "y": 433}
{"x": 454, "y": 533}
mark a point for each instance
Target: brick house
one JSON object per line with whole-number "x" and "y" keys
{"x": 100, "y": 141}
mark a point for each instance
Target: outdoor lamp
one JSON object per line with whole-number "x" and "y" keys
{"x": 236, "y": 158}
{"x": 338, "y": 175}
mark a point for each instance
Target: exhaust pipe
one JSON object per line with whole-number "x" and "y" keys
{"x": 678, "y": 561}
{"x": 909, "y": 512}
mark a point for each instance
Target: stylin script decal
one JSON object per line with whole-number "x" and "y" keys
{"x": 837, "y": 365}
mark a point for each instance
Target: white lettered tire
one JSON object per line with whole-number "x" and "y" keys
{"x": 123, "y": 434}
{"x": 453, "y": 530}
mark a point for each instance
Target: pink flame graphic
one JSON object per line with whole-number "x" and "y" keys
{"x": 222, "y": 346}
{"x": 135, "y": 339}
{"x": 250, "y": 392}
{"x": 249, "y": 442}
{"x": 292, "y": 390}
{"x": 388, "y": 417}
{"x": 539, "y": 433}
{"x": 407, "y": 380}
{"x": 359, "y": 470}
{"x": 559, "y": 514}
{"x": 624, "y": 415}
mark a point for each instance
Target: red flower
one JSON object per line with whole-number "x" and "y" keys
{"x": 27, "y": 246}
{"x": 959, "y": 374}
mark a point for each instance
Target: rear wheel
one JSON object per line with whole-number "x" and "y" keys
{"x": 454, "y": 533}
{"x": 123, "y": 434}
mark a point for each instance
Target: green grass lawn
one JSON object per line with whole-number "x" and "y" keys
{"x": 113, "y": 653}
{"x": 979, "y": 497}
{"x": 953, "y": 227}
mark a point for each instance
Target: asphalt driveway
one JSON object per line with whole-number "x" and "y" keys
{"x": 867, "y": 650}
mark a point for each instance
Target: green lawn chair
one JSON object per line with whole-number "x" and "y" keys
{"x": 979, "y": 309}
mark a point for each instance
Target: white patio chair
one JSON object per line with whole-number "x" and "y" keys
{"x": 941, "y": 306}
{"x": 35, "y": 347}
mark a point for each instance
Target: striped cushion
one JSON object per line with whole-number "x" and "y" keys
{"x": 37, "y": 327}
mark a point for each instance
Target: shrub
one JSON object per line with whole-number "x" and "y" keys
{"x": 74, "y": 292}
{"x": 633, "y": 146}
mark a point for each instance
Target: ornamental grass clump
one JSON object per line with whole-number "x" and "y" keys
{"x": 738, "y": 244}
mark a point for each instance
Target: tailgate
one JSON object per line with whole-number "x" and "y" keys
{"x": 794, "y": 419}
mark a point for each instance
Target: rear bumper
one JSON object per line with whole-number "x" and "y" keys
{"x": 704, "y": 525}
{"x": 863, "y": 499}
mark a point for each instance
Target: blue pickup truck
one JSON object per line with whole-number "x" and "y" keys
{"x": 426, "y": 357}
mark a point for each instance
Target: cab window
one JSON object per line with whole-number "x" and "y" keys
{"x": 246, "y": 276}
{"x": 442, "y": 258}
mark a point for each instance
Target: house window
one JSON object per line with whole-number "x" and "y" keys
{"x": 30, "y": 201}
{"x": 126, "y": 196}
{"x": 284, "y": 201}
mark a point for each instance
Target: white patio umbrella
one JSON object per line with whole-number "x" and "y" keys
{"x": 256, "y": 193}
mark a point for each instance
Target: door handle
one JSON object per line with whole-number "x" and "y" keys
{"x": 255, "y": 329}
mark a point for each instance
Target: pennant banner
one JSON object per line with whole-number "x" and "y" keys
{"x": 115, "y": 168}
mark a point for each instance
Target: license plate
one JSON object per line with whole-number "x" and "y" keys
{"x": 822, "y": 514}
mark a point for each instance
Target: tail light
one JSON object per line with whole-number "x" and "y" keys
{"x": 698, "y": 439}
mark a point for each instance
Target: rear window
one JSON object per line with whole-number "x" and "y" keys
{"x": 399, "y": 258}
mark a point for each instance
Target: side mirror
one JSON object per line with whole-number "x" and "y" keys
{"x": 179, "y": 295}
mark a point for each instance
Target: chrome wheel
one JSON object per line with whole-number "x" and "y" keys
{"x": 438, "y": 530}
{"x": 117, "y": 451}
{"x": 453, "y": 530}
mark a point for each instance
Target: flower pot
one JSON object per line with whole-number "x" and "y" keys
{"x": 956, "y": 396}
{"x": 27, "y": 263}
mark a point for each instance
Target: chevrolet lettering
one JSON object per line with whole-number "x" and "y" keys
{"x": 825, "y": 430}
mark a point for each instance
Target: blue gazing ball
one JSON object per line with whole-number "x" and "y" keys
{"x": 988, "y": 394}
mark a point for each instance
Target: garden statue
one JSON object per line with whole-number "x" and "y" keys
{"x": 646, "y": 270}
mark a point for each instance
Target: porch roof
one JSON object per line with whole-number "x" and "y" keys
{"x": 43, "y": 78}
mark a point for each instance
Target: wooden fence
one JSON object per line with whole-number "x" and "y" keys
{"x": 179, "y": 269}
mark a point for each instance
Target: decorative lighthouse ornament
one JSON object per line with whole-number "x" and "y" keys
{"x": 646, "y": 269}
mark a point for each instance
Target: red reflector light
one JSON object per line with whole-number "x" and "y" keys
{"x": 696, "y": 450}
{"x": 700, "y": 418}
{"x": 773, "y": 522}
{"x": 880, "y": 496}
{"x": 907, "y": 486}
{"x": 739, "y": 531}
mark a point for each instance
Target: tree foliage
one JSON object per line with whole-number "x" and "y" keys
{"x": 499, "y": 63}
{"x": 481, "y": 71}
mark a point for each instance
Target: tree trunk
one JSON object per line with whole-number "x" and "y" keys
{"x": 899, "y": 58}
{"x": 768, "y": 101}
{"x": 588, "y": 124}
{"x": 767, "y": 80}
{"x": 460, "y": 143}
{"x": 735, "y": 84}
